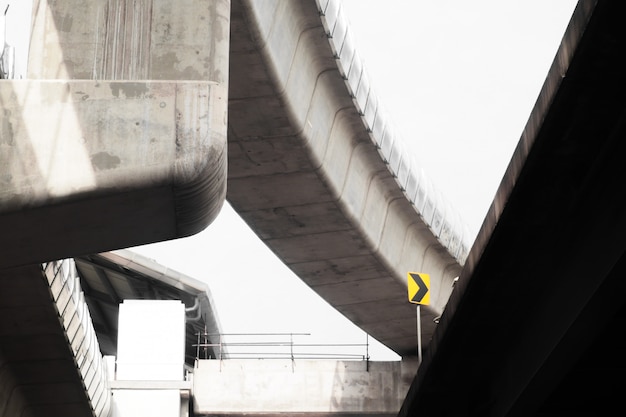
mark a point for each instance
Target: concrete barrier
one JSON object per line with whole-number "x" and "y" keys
{"x": 272, "y": 387}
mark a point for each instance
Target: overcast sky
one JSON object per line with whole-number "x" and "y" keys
{"x": 459, "y": 79}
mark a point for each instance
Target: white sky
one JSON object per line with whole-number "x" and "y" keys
{"x": 459, "y": 79}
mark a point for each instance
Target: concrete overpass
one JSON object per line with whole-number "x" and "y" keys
{"x": 218, "y": 380}
{"x": 59, "y": 319}
{"x": 536, "y": 324}
{"x": 317, "y": 172}
{"x": 50, "y": 360}
{"x": 313, "y": 164}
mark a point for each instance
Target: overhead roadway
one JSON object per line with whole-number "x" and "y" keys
{"x": 536, "y": 325}
{"x": 318, "y": 173}
{"x": 108, "y": 278}
{"x": 51, "y": 365}
{"x": 314, "y": 166}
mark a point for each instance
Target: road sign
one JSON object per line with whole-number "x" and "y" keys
{"x": 419, "y": 288}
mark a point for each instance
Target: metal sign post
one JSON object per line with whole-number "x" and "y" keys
{"x": 419, "y": 293}
{"x": 419, "y": 336}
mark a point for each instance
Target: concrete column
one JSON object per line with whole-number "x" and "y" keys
{"x": 100, "y": 164}
{"x": 149, "y": 378}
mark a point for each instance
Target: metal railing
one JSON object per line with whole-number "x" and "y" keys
{"x": 273, "y": 346}
{"x": 443, "y": 220}
{"x": 76, "y": 320}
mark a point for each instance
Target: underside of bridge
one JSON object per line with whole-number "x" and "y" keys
{"x": 306, "y": 175}
{"x": 38, "y": 372}
{"x": 118, "y": 138}
{"x": 89, "y": 163}
{"x": 537, "y": 323}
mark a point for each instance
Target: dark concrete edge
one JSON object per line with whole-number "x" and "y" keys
{"x": 558, "y": 71}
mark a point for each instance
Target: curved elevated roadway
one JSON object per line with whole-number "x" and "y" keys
{"x": 543, "y": 287}
{"x": 134, "y": 95}
{"x": 317, "y": 172}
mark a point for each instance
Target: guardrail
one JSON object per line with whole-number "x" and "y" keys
{"x": 274, "y": 346}
{"x": 438, "y": 214}
{"x": 76, "y": 320}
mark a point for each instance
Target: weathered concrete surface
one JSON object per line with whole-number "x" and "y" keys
{"x": 98, "y": 165}
{"x": 305, "y": 174}
{"x": 74, "y": 315}
{"x": 95, "y": 164}
{"x": 130, "y": 40}
{"x": 38, "y": 371}
{"x": 317, "y": 388}
{"x": 304, "y": 171}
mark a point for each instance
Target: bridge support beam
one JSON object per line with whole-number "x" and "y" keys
{"x": 315, "y": 387}
{"x": 95, "y": 164}
{"x": 100, "y": 165}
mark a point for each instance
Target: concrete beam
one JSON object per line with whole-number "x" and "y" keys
{"x": 89, "y": 165}
{"x": 306, "y": 175}
{"x": 317, "y": 388}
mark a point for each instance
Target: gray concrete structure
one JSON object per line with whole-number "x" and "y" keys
{"x": 316, "y": 170}
{"x": 314, "y": 165}
{"x": 275, "y": 388}
{"x": 99, "y": 164}
{"x": 108, "y": 278}
{"x": 59, "y": 319}
{"x": 75, "y": 318}
{"x": 50, "y": 361}
{"x": 543, "y": 290}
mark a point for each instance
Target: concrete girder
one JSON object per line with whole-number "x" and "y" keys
{"x": 305, "y": 174}
{"x": 319, "y": 388}
{"x": 89, "y": 166}
{"x": 98, "y": 164}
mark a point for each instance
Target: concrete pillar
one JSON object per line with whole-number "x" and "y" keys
{"x": 151, "y": 340}
{"x": 149, "y": 378}
{"x": 128, "y": 145}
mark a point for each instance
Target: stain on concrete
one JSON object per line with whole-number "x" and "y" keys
{"x": 6, "y": 129}
{"x": 103, "y": 160}
{"x": 129, "y": 90}
{"x": 65, "y": 23}
{"x": 167, "y": 67}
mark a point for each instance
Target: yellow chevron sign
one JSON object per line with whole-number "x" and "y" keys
{"x": 419, "y": 288}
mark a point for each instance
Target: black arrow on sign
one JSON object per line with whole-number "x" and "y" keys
{"x": 422, "y": 288}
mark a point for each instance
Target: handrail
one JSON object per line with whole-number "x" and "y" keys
{"x": 440, "y": 216}
{"x": 82, "y": 339}
{"x": 215, "y": 341}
